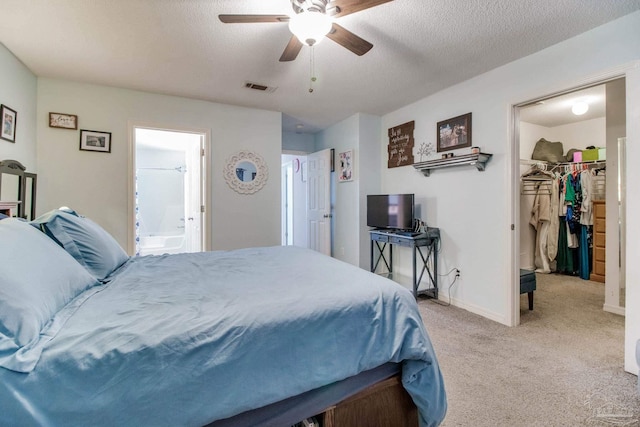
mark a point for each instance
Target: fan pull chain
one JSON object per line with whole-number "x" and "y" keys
{"x": 312, "y": 70}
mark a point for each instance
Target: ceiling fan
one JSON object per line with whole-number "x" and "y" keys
{"x": 311, "y": 21}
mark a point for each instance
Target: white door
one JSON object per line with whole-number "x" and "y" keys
{"x": 168, "y": 181}
{"x": 319, "y": 201}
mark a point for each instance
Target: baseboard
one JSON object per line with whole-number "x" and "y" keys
{"x": 473, "y": 309}
{"x": 614, "y": 309}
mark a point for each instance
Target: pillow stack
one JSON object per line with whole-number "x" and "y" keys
{"x": 41, "y": 275}
{"x": 37, "y": 279}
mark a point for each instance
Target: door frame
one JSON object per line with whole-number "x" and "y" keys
{"x": 205, "y": 187}
{"x": 631, "y": 72}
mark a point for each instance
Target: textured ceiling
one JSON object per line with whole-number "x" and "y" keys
{"x": 179, "y": 47}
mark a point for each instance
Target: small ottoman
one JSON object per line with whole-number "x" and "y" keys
{"x": 528, "y": 284}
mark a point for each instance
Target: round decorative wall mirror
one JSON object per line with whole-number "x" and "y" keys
{"x": 246, "y": 172}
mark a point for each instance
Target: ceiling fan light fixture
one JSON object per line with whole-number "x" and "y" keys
{"x": 579, "y": 108}
{"x": 310, "y": 27}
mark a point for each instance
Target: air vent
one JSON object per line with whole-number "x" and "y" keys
{"x": 261, "y": 88}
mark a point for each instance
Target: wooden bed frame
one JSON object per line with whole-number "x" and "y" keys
{"x": 384, "y": 404}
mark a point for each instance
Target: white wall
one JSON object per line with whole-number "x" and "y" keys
{"x": 96, "y": 184}
{"x": 343, "y": 136}
{"x": 360, "y": 133}
{"x": 369, "y": 178}
{"x": 18, "y": 89}
{"x": 300, "y": 142}
{"x": 474, "y": 209}
{"x": 582, "y": 134}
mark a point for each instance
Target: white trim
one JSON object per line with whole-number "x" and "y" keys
{"x": 205, "y": 186}
{"x": 491, "y": 315}
{"x": 513, "y": 290}
{"x": 615, "y": 309}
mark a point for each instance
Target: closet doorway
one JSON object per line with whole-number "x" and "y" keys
{"x": 590, "y": 247}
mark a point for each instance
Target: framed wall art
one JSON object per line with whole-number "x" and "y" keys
{"x": 63, "y": 121}
{"x": 93, "y": 140}
{"x": 400, "y": 148}
{"x": 454, "y": 133}
{"x": 345, "y": 164}
{"x": 8, "y": 117}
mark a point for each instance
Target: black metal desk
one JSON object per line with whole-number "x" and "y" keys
{"x": 417, "y": 242}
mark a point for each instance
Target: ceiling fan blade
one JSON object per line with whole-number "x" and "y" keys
{"x": 292, "y": 50}
{"x": 347, "y": 7}
{"x": 245, "y": 19}
{"x": 346, "y": 38}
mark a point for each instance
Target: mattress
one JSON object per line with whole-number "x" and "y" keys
{"x": 189, "y": 339}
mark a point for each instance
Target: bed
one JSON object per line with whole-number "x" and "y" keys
{"x": 258, "y": 336}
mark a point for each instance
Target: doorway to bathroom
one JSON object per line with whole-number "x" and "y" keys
{"x": 168, "y": 181}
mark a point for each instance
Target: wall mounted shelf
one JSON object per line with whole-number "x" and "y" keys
{"x": 478, "y": 160}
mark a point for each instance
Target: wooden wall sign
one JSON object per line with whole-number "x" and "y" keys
{"x": 400, "y": 146}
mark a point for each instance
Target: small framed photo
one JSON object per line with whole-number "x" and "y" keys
{"x": 454, "y": 133}
{"x": 345, "y": 162}
{"x": 92, "y": 140}
{"x": 8, "y": 117}
{"x": 63, "y": 121}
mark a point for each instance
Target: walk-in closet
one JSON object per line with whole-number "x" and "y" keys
{"x": 572, "y": 172}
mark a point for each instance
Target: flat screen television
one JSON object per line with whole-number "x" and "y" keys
{"x": 392, "y": 211}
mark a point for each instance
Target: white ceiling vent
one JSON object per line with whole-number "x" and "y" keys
{"x": 259, "y": 87}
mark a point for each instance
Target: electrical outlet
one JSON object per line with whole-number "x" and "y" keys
{"x": 457, "y": 272}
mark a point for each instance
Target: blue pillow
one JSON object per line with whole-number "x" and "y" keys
{"x": 3, "y": 216}
{"x": 37, "y": 279}
{"x": 84, "y": 240}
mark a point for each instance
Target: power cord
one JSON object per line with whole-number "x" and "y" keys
{"x": 436, "y": 301}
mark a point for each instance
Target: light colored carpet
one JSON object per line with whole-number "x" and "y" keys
{"x": 563, "y": 366}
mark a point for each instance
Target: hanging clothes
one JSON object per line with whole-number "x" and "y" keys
{"x": 562, "y": 216}
{"x": 585, "y": 265}
{"x": 540, "y": 220}
{"x": 586, "y": 208}
{"x": 564, "y": 262}
{"x": 586, "y": 221}
{"x": 554, "y": 221}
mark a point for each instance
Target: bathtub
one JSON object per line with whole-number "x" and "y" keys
{"x": 158, "y": 245}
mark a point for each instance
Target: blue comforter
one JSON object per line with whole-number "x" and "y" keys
{"x": 183, "y": 340}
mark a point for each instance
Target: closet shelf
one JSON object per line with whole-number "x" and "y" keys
{"x": 478, "y": 160}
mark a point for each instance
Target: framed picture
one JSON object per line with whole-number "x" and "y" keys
{"x": 92, "y": 140}
{"x": 8, "y": 117}
{"x": 454, "y": 133}
{"x": 345, "y": 163}
{"x": 63, "y": 121}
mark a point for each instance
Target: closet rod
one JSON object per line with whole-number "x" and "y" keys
{"x": 548, "y": 166}
{"x": 543, "y": 162}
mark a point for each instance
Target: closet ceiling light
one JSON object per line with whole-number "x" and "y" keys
{"x": 579, "y": 108}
